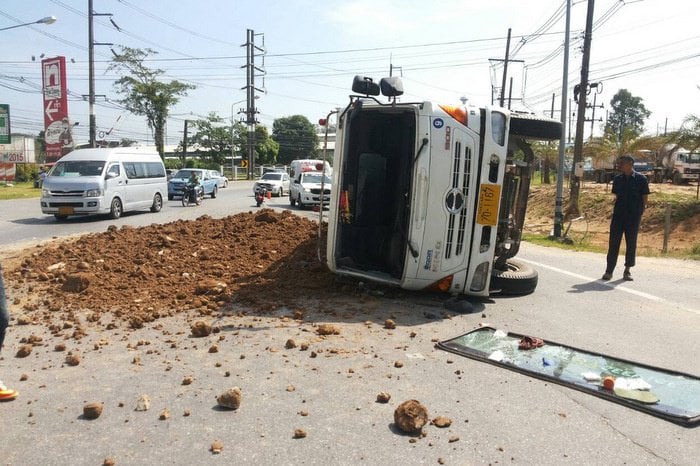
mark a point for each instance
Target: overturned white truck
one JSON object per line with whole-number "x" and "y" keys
{"x": 430, "y": 196}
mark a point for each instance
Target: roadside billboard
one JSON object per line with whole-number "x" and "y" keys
{"x": 57, "y": 126}
{"x": 5, "y": 132}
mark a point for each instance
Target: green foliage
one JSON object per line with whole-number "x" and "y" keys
{"x": 266, "y": 148}
{"x": 296, "y": 137}
{"x": 628, "y": 114}
{"x": 26, "y": 172}
{"x": 689, "y": 134}
{"x": 143, "y": 93}
{"x": 212, "y": 140}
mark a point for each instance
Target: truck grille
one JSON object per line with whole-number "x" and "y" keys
{"x": 456, "y": 200}
{"x": 318, "y": 191}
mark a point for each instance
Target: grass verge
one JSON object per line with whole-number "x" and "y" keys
{"x": 23, "y": 190}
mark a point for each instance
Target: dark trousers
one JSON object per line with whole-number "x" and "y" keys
{"x": 629, "y": 227}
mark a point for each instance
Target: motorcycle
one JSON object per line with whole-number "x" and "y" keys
{"x": 260, "y": 195}
{"x": 192, "y": 195}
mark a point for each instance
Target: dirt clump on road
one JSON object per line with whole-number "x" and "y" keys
{"x": 133, "y": 276}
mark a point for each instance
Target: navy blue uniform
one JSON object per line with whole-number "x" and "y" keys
{"x": 627, "y": 215}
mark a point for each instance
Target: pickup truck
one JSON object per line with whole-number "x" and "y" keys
{"x": 306, "y": 189}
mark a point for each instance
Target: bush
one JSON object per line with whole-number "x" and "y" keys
{"x": 26, "y": 172}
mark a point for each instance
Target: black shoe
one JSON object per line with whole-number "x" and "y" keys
{"x": 607, "y": 276}
{"x": 627, "y": 277}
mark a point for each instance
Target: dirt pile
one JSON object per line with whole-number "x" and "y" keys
{"x": 133, "y": 276}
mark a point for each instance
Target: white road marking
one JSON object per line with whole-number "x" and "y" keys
{"x": 641, "y": 294}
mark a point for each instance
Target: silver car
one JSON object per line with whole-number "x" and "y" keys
{"x": 221, "y": 180}
{"x": 276, "y": 183}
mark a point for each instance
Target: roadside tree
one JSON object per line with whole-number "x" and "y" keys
{"x": 211, "y": 140}
{"x": 296, "y": 137}
{"x": 626, "y": 120}
{"x": 688, "y": 135}
{"x": 143, "y": 93}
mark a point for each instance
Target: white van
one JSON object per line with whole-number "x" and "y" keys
{"x": 104, "y": 181}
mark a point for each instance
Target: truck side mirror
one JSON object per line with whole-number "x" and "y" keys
{"x": 364, "y": 85}
{"x": 391, "y": 87}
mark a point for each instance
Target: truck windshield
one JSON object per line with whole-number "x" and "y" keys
{"x": 77, "y": 168}
{"x": 315, "y": 178}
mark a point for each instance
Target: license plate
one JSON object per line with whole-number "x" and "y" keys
{"x": 65, "y": 211}
{"x": 489, "y": 196}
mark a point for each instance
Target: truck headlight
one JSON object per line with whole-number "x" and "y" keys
{"x": 481, "y": 274}
{"x": 93, "y": 193}
{"x": 45, "y": 192}
{"x": 307, "y": 190}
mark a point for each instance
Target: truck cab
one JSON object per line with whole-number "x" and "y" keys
{"x": 430, "y": 196}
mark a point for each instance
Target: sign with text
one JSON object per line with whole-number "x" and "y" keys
{"x": 59, "y": 138}
{"x": 5, "y": 133}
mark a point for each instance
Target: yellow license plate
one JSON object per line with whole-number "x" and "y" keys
{"x": 489, "y": 197}
{"x": 65, "y": 211}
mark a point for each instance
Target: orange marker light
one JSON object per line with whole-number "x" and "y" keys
{"x": 458, "y": 113}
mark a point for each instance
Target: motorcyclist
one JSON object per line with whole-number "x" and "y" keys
{"x": 194, "y": 182}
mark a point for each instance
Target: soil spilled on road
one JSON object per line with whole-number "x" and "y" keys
{"x": 136, "y": 275}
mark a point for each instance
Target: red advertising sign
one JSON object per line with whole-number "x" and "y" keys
{"x": 57, "y": 126}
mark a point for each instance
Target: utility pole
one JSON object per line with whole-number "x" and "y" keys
{"x": 250, "y": 88}
{"x": 506, "y": 60}
{"x": 559, "y": 202}
{"x": 505, "y": 70}
{"x": 573, "y": 208}
{"x": 91, "y": 70}
{"x": 184, "y": 142}
{"x": 599, "y": 89}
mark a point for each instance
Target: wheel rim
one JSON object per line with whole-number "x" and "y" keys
{"x": 116, "y": 208}
{"x": 157, "y": 202}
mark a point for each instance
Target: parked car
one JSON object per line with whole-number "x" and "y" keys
{"x": 170, "y": 172}
{"x": 221, "y": 180}
{"x": 176, "y": 185}
{"x": 276, "y": 183}
{"x": 306, "y": 189}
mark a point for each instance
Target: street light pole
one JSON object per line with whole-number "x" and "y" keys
{"x": 46, "y": 20}
{"x": 233, "y": 165}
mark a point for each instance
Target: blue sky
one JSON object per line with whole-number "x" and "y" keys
{"x": 442, "y": 50}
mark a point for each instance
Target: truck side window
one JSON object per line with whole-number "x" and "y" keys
{"x": 498, "y": 128}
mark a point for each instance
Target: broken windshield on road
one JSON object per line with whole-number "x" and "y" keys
{"x": 671, "y": 395}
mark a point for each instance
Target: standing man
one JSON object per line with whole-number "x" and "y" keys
{"x": 631, "y": 191}
{"x": 6, "y": 394}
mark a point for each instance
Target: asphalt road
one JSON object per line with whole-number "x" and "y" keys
{"x": 498, "y": 416}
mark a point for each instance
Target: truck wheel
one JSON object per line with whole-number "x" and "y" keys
{"x": 677, "y": 178}
{"x": 214, "y": 192}
{"x": 116, "y": 209}
{"x": 301, "y": 204}
{"x": 517, "y": 279}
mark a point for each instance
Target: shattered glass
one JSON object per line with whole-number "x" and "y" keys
{"x": 671, "y": 395}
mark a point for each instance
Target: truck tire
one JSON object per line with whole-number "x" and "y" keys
{"x": 677, "y": 178}
{"x": 517, "y": 279}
